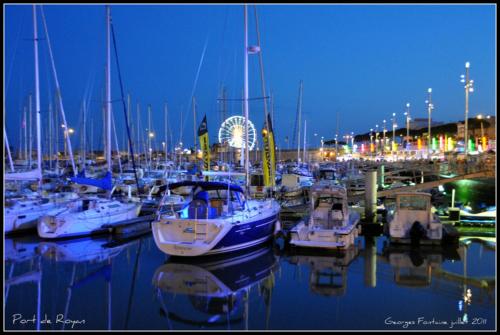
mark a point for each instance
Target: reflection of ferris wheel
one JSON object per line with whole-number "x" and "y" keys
{"x": 233, "y": 131}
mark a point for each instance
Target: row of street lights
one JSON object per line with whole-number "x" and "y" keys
{"x": 469, "y": 88}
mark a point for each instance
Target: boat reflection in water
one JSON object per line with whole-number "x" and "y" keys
{"x": 328, "y": 271}
{"x": 94, "y": 250}
{"x": 414, "y": 266}
{"x": 99, "y": 252}
{"x": 217, "y": 287}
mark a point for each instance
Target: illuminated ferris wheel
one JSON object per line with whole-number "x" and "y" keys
{"x": 233, "y": 131}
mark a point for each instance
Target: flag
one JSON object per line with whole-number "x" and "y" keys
{"x": 268, "y": 159}
{"x": 205, "y": 148}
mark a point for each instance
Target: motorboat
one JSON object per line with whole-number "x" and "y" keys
{"x": 331, "y": 225}
{"x": 218, "y": 219}
{"x": 413, "y": 220}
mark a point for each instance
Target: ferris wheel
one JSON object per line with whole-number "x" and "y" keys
{"x": 232, "y": 131}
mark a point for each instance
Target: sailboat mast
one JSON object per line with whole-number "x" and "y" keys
{"x": 166, "y": 134}
{"x": 194, "y": 125}
{"x": 58, "y": 93}
{"x": 37, "y": 100}
{"x": 304, "y": 151}
{"x": 50, "y": 136}
{"x": 30, "y": 150}
{"x": 8, "y": 150}
{"x": 108, "y": 88}
{"x": 245, "y": 102}
{"x": 25, "y": 135}
{"x": 300, "y": 114}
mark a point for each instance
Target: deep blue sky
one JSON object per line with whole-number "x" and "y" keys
{"x": 362, "y": 61}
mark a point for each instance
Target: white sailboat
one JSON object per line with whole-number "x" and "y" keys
{"x": 219, "y": 219}
{"x": 22, "y": 214}
{"x": 91, "y": 215}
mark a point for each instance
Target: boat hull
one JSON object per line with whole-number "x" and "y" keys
{"x": 228, "y": 236}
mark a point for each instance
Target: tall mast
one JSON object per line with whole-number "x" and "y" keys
{"x": 25, "y": 135}
{"x": 304, "y": 151}
{"x": 108, "y": 88}
{"x": 37, "y": 100}
{"x": 245, "y": 101}
{"x": 150, "y": 132}
{"x": 50, "y": 135}
{"x": 30, "y": 150}
{"x": 84, "y": 132}
{"x": 299, "y": 111}
{"x": 8, "y": 149}
{"x": 128, "y": 118}
{"x": 194, "y": 125}
{"x": 166, "y": 134}
{"x": 138, "y": 134}
{"x": 58, "y": 94}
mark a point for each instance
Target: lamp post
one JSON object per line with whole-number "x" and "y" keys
{"x": 336, "y": 146}
{"x": 394, "y": 125}
{"x": 469, "y": 87}
{"x": 430, "y": 107}
{"x": 408, "y": 118}
{"x": 352, "y": 142}
{"x": 383, "y": 139}
{"x": 371, "y": 139}
{"x": 376, "y": 138}
{"x": 322, "y": 148}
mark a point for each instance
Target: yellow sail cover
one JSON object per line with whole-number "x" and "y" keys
{"x": 205, "y": 147}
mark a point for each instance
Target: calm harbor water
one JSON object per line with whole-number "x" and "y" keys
{"x": 101, "y": 284}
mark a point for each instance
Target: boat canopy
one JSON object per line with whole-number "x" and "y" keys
{"x": 207, "y": 185}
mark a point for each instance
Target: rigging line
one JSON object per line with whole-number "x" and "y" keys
{"x": 139, "y": 190}
{"x": 195, "y": 84}
{"x": 9, "y": 75}
{"x": 219, "y": 66}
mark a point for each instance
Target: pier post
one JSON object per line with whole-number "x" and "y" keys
{"x": 381, "y": 175}
{"x": 370, "y": 196}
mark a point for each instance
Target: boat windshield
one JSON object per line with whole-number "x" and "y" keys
{"x": 415, "y": 203}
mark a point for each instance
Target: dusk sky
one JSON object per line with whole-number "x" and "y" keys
{"x": 363, "y": 62}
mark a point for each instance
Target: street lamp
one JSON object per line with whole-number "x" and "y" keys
{"x": 394, "y": 125}
{"x": 408, "y": 118}
{"x": 376, "y": 138}
{"x": 430, "y": 107}
{"x": 480, "y": 117}
{"x": 371, "y": 139}
{"x": 383, "y": 139}
{"x": 469, "y": 87}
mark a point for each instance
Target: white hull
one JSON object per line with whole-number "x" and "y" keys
{"x": 191, "y": 237}
{"x": 67, "y": 223}
{"x": 25, "y": 214}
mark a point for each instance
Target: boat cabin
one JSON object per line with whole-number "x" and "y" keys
{"x": 211, "y": 199}
{"x": 329, "y": 205}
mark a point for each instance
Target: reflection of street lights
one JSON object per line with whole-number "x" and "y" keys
{"x": 469, "y": 87}
{"x": 408, "y": 118}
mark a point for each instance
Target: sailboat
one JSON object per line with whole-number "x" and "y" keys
{"x": 220, "y": 218}
{"x": 22, "y": 214}
{"x": 91, "y": 215}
